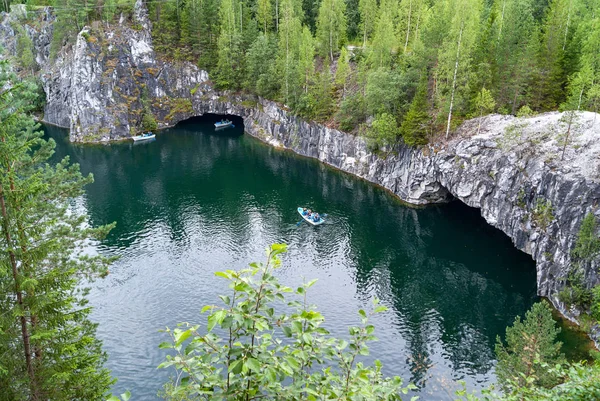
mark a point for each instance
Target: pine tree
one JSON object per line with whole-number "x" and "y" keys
{"x": 414, "y": 128}
{"x": 528, "y": 344}
{"x": 48, "y": 345}
{"x": 515, "y": 49}
{"x": 331, "y": 27}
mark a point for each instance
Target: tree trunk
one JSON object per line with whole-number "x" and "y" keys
{"x": 580, "y": 96}
{"x": 571, "y": 115}
{"x": 277, "y": 15}
{"x": 19, "y": 294}
{"x": 462, "y": 26}
{"x": 501, "y": 19}
{"x": 330, "y": 38}
{"x": 408, "y": 27}
{"x": 567, "y": 25}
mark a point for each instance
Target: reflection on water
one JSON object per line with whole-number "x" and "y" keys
{"x": 194, "y": 202}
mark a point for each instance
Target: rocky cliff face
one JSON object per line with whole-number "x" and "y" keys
{"x": 509, "y": 168}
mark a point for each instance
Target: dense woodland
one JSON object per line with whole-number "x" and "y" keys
{"x": 388, "y": 68}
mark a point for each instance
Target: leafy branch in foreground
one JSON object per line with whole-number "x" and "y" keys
{"x": 250, "y": 351}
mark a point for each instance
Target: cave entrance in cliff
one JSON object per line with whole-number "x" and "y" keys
{"x": 206, "y": 122}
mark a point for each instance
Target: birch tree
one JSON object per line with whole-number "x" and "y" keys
{"x": 331, "y": 26}
{"x": 264, "y": 14}
{"x": 384, "y": 38}
{"x": 290, "y": 31}
{"x": 455, "y": 53}
{"x": 368, "y": 15}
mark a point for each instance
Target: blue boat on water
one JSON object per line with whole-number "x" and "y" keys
{"x": 223, "y": 124}
{"x": 310, "y": 219}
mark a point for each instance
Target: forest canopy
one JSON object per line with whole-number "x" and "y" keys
{"x": 389, "y": 69}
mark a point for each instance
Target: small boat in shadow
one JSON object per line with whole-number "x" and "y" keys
{"x": 224, "y": 124}
{"x": 144, "y": 137}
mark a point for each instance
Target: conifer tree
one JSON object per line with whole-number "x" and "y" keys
{"x": 414, "y": 128}
{"x": 48, "y": 345}
{"x": 529, "y": 343}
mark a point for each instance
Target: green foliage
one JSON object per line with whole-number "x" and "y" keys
{"x": 528, "y": 343}
{"x": 342, "y": 71}
{"x": 588, "y": 242}
{"x": 383, "y": 133}
{"x": 575, "y": 293}
{"x": 543, "y": 213}
{"x": 261, "y": 77}
{"x": 525, "y": 111}
{"x": 250, "y": 349}
{"x": 352, "y": 112}
{"x": 382, "y": 93}
{"x": 484, "y": 102}
{"x": 25, "y": 55}
{"x": 415, "y": 125}
{"x": 578, "y": 382}
{"x": 48, "y": 345}
{"x": 331, "y": 27}
{"x": 595, "y": 307}
{"x": 149, "y": 122}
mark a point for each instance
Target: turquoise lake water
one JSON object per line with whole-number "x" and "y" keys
{"x": 195, "y": 201}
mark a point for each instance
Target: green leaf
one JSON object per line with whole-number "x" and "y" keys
{"x": 126, "y": 395}
{"x": 287, "y": 331}
{"x": 180, "y": 337}
{"x": 222, "y": 274}
{"x": 311, "y": 283}
{"x": 253, "y": 364}
{"x": 362, "y": 313}
{"x": 380, "y": 309}
{"x": 235, "y": 367}
{"x": 165, "y": 345}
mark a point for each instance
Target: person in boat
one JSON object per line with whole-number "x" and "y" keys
{"x": 316, "y": 218}
{"x": 309, "y": 213}
{"x": 304, "y": 212}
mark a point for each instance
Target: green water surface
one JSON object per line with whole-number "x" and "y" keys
{"x": 195, "y": 201}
